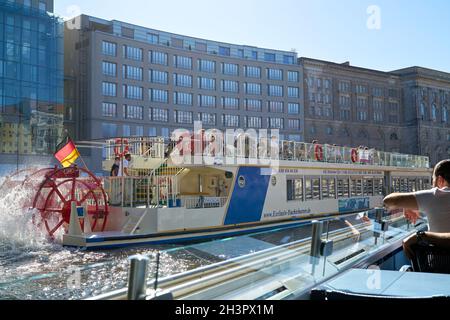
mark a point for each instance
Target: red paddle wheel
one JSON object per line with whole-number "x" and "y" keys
{"x": 59, "y": 188}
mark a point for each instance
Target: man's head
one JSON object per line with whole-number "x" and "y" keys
{"x": 117, "y": 160}
{"x": 128, "y": 157}
{"x": 441, "y": 174}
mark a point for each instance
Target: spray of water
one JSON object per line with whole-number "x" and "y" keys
{"x": 16, "y": 220}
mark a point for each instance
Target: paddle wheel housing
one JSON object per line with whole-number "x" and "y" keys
{"x": 56, "y": 191}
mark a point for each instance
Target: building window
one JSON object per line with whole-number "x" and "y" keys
{"x": 377, "y": 92}
{"x": 293, "y": 108}
{"x": 275, "y": 74}
{"x": 182, "y": 98}
{"x": 230, "y": 69}
{"x": 361, "y": 89}
{"x": 132, "y": 73}
{"x": 224, "y": 51}
{"x": 156, "y": 76}
{"x": 229, "y": 120}
{"x": 183, "y": 117}
{"x": 445, "y": 114}
{"x": 182, "y": 62}
{"x": 294, "y": 124}
{"x": 158, "y": 115}
{"x": 276, "y": 123}
{"x": 133, "y": 112}
{"x": 275, "y": 91}
{"x": 182, "y": 80}
{"x": 254, "y": 55}
{"x": 132, "y": 53}
{"x": 253, "y": 105}
{"x": 275, "y": 106}
{"x": 207, "y": 66}
{"x": 109, "y": 69}
{"x": 433, "y": 112}
{"x": 254, "y": 122}
{"x": 42, "y": 6}
{"x": 109, "y": 109}
{"x": 206, "y": 83}
{"x": 230, "y": 86}
{"x": 157, "y": 57}
{"x": 208, "y": 119}
{"x": 252, "y": 72}
{"x": 207, "y": 101}
{"x": 159, "y": 95}
{"x": 109, "y": 89}
{"x": 269, "y": 57}
{"x": 288, "y": 59}
{"x": 344, "y": 101}
{"x": 109, "y": 130}
{"x": 253, "y": 88}
{"x": 345, "y": 114}
{"x": 152, "y": 38}
{"x": 293, "y": 76}
{"x": 423, "y": 111}
{"x": 109, "y": 48}
{"x": 230, "y": 103}
{"x": 293, "y": 92}
{"x": 132, "y": 92}
{"x": 344, "y": 86}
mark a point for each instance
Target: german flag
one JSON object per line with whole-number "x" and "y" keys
{"x": 66, "y": 152}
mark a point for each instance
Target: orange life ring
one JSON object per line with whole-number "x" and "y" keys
{"x": 117, "y": 149}
{"x": 318, "y": 152}
{"x": 354, "y": 155}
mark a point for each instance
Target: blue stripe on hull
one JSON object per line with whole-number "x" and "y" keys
{"x": 247, "y": 203}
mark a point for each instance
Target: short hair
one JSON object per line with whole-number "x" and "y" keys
{"x": 128, "y": 155}
{"x": 117, "y": 158}
{"x": 442, "y": 169}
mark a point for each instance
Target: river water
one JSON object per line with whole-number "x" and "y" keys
{"x": 31, "y": 267}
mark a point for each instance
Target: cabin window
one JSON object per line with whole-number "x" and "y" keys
{"x": 295, "y": 189}
{"x": 412, "y": 185}
{"x": 368, "y": 187}
{"x": 328, "y": 188}
{"x": 343, "y": 187}
{"x": 395, "y": 185}
{"x": 312, "y": 189}
{"x": 378, "y": 187}
{"x": 356, "y": 187}
{"x": 404, "y": 185}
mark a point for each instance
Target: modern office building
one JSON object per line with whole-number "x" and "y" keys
{"x": 31, "y": 82}
{"x": 126, "y": 80}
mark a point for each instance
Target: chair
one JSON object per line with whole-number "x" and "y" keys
{"x": 431, "y": 258}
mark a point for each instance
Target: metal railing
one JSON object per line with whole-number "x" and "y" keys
{"x": 295, "y": 151}
{"x": 203, "y": 202}
{"x": 149, "y": 147}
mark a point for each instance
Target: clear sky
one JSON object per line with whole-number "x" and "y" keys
{"x": 402, "y": 33}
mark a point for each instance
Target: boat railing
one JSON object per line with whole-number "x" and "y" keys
{"x": 148, "y": 147}
{"x": 202, "y": 202}
{"x": 297, "y": 151}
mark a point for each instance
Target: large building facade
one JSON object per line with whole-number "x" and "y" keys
{"x": 125, "y": 80}
{"x": 426, "y": 104}
{"x": 31, "y": 82}
{"x": 352, "y": 106}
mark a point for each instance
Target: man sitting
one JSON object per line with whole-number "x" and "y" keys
{"x": 435, "y": 203}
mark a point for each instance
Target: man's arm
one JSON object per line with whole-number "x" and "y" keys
{"x": 401, "y": 201}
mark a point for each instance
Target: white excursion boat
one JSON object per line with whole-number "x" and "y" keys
{"x": 166, "y": 201}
